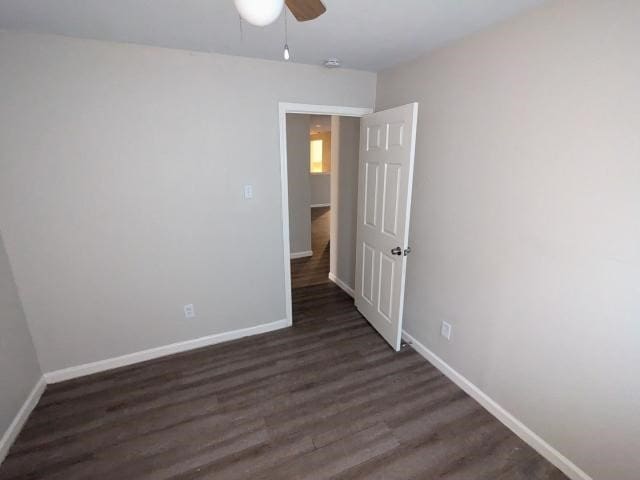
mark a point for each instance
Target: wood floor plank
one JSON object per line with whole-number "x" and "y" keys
{"x": 325, "y": 399}
{"x": 329, "y": 460}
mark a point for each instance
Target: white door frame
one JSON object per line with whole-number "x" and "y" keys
{"x": 283, "y": 109}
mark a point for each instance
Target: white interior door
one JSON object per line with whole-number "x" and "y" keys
{"x": 387, "y": 148}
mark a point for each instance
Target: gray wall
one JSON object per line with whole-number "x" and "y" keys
{"x": 299, "y": 182}
{"x": 526, "y": 221}
{"x": 344, "y": 196}
{"x": 19, "y": 369}
{"x": 320, "y": 185}
{"x": 121, "y": 176}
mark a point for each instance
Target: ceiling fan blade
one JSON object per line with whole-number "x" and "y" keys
{"x": 305, "y": 10}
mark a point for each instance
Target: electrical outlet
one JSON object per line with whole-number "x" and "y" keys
{"x": 248, "y": 192}
{"x": 189, "y": 311}
{"x": 445, "y": 330}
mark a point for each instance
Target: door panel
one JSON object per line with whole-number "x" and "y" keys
{"x": 396, "y": 134}
{"x": 385, "y": 287}
{"x": 373, "y": 136}
{"x": 371, "y": 194}
{"x": 391, "y": 200}
{"x": 368, "y": 270}
{"x": 385, "y": 178}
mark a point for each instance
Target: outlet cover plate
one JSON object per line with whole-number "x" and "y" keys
{"x": 189, "y": 311}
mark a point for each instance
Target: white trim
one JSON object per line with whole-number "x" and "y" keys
{"x": 144, "y": 355}
{"x": 407, "y": 218}
{"x": 320, "y": 205}
{"x": 295, "y": 255}
{"x": 283, "y": 109}
{"x": 326, "y": 174}
{"x": 21, "y": 417}
{"x": 347, "y": 289}
{"x": 516, "y": 426}
{"x": 313, "y": 109}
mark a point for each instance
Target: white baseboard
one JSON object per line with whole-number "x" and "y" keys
{"x": 516, "y": 426}
{"x": 116, "y": 362}
{"x": 295, "y": 255}
{"x": 21, "y": 417}
{"x": 348, "y": 290}
{"x": 320, "y": 205}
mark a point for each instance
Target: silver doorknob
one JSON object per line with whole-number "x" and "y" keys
{"x": 396, "y": 251}
{"x": 407, "y": 251}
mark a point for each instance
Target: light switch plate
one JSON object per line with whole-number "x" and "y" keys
{"x": 248, "y": 192}
{"x": 445, "y": 330}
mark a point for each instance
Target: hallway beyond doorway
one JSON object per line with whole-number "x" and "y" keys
{"x": 314, "y": 270}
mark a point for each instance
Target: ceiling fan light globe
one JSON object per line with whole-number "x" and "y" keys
{"x": 259, "y": 12}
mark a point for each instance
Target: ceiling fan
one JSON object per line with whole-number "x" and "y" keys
{"x": 264, "y": 12}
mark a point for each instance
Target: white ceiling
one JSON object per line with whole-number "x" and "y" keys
{"x": 364, "y": 34}
{"x": 319, "y": 124}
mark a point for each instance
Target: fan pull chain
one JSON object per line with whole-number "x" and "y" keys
{"x": 286, "y": 53}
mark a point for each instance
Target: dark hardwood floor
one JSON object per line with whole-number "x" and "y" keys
{"x": 314, "y": 270}
{"x": 324, "y": 399}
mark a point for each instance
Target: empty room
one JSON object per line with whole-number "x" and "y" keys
{"x": 320, "y": 239}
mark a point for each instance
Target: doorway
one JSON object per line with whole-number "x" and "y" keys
{"x": 385, "y": 175}
{"x": 309, "y": 157}
{"x": 312, "y": 227}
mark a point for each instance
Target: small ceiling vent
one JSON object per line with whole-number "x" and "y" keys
{"x": 332, "y": 63}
